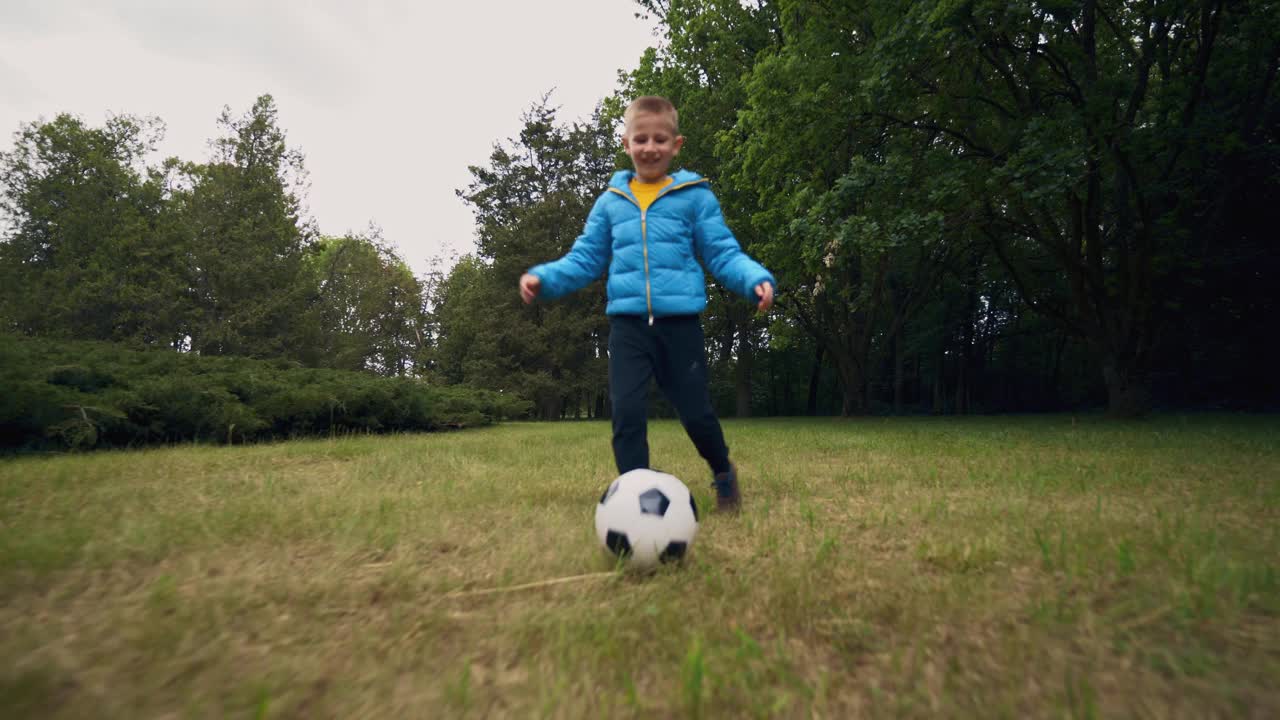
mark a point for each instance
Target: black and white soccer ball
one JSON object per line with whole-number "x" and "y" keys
{"x": 647, "y": 517}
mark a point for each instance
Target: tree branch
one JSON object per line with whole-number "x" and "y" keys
{"x": 921, "y": 124}
{"x": 1020, "y": 283}
{"x": 1208, "y": 34}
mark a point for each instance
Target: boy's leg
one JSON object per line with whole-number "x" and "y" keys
{"x": 681, "y": 371}
{"x": 631, "y": 354}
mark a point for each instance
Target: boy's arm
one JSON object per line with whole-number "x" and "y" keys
{"x": 585, "y": 261}
{"x": 720, "y": 251}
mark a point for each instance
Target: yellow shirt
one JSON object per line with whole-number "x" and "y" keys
{"x": 645, "y": 192}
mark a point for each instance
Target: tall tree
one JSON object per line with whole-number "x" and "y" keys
{"x": 530, "y": 203}
{"x": 248, "y": 237}
{"x": 860, "y": 226}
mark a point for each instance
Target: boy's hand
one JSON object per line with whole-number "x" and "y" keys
{"x": 529, "y": 287}
{"x": 764, "y": 291}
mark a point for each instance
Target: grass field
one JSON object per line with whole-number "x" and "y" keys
{"x": 982, "y": 567}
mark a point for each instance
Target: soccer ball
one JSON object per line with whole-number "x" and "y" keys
{"x": 647, "y": 517}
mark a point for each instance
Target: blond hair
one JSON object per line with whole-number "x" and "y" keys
{"x": 655, "y": 104}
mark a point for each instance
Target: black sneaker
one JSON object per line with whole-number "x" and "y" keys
{"x": 728, "y": 498}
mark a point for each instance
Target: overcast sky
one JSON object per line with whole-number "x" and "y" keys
{"x": 389, "y": 100}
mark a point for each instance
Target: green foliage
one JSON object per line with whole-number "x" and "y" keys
{"x": 1077, "y": 155}
{"x": 101, "y": 246}
{"x": 214, "y": 257}
{"x": 970, "y": 206}
{"x": 364, "y": 308}
{"x": 81, "y": 395}
{"x": 240, "y": 213}
{"x": 85, "y": 253}
{"x": 1088, "y": 126}
{"x": 530, "y": 203}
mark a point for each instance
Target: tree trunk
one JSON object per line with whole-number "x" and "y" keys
{"x": 815, "y": 377}
{"x": 1054, "y": 391}
{"x": 853, "y": 390}
{"x": 853, "y": 401}
{"x": 1128, "y": 392}
{"x": 939, "y": 382}
{"x": 897, "y": 374}
{"x": 773, "y": 388}
{"x": 555, "y": 407}
{"x": 742, "y": 372}
{"x": 726, "y": 346}
{"x": 785, "y": 408}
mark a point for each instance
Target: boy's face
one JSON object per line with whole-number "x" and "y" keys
{"x": 652, "y": 142}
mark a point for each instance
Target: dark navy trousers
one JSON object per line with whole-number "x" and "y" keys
{"x": 671, "y": 352}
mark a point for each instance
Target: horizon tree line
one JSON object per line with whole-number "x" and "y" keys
{"x": 970, "y": 207}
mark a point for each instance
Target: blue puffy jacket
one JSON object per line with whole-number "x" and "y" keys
{"x": 653, "y": 255}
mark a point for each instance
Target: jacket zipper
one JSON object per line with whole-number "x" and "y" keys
{"x": 644, "y": 235}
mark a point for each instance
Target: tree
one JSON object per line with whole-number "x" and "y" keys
{"x": 1090, "y": 123}
{"x": 840, "y": 214}
{"x": 530, "y": 203}
{"x": 364, "y": 310}
{"x": 247, "y": 237}
{"x": 87, "y": 250}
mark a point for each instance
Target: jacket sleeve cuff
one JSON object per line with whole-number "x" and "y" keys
{"x": 751, "y": 287}
{"x": 546, "y": 289}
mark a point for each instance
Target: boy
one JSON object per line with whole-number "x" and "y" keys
{"x": 650, "y": 229}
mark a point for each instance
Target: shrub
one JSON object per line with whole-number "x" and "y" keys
{"x": 81, "y": 395}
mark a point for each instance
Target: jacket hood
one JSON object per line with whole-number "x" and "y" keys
{"x": 622, "y": 178}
